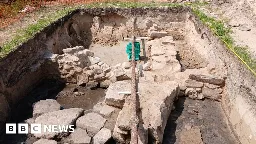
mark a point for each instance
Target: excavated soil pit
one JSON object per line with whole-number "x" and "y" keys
{"x": 77, "y": 58}
{"x": 195, "y": 121}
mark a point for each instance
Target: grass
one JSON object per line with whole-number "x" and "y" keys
{"x": 31, "y": 30}
{"x": 223, "y": 32}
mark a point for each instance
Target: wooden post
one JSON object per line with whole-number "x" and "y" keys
{"x": 134, "y": 127}
{"x": 144, "y": 50}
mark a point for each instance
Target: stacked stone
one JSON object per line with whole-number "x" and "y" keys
{"x": 79, "y": 66}
{"x": 204, "y": 86}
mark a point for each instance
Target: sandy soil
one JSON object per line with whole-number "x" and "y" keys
{"x": 111, "y": 55}
{"x": 241, "y": 19}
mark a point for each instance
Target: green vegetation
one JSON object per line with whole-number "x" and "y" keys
{"x": 223, "y": 32}
{"x": 31, "y": 30}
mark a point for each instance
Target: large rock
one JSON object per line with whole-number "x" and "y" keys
{"x": 208, "y": 79}
{"x": 84, "y": 53}
{"x": 193, "y": 84}
{"x": 102, "y": 136}
{"x": 80, "y": 136}
{"x": 120, "y": 73}
{"x": 59, "y": 118}
{"x": 45, "y": 141}
{"x": 124, "y": 117}
{"x": 113, "y": 98}
{"x": 104, "y": 109}
{"x": 211, "y": 86}
{"x": 92, "y": 122}
{"x": 82, "y": 79}
{"x": 156, "y": 101}
{"x": 120, "y": 136}
{"x": 157, "y": 34}
{"x": 73, "y": 50}
{"x": 98, "y": 107}
{"x": 107, "y": 110}
{"x": 45, "y": 106}
{"x": 105, "y": 83}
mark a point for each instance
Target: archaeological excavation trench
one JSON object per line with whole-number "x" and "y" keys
{"x": 191, "y": 89}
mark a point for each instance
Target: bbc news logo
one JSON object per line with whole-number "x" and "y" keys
{"x": 23, "y": 128}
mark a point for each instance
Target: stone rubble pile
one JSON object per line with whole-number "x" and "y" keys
{"x": 80, "y": 66}
{"x": 89, "y": 127}
{"x": 203, "y": 86}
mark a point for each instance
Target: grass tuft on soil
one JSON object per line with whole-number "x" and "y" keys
{"x": 223, "y": 32}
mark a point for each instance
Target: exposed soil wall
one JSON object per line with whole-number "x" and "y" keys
{"x": 239, "y": 100}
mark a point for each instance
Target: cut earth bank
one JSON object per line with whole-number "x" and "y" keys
{"x": 183, "y": 58}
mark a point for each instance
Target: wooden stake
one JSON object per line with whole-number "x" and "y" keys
{"x": 134, "y": 131}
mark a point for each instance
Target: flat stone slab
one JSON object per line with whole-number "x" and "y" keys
{"x": 211, "y": 86}
{"x": 92, "y": 122}
{"x": 124, "y": 117}
{"x": 157, "y": 34}
{"x": 156, "y": 101}
{"x": 61, "y": 117}
{"x": 102, "y": 136}
{"x": 104, "y": 109}
{"x": 193, "y": 84}
{"x": 107, "y": 110}
{"x": 45, "y": 106}
{"x": 112, "y": 97}
{"x": 208, "y": 79}
{"x": 45, "y": 141}
{"x": 80, "y": 136}
{"x": 73, "y": 50}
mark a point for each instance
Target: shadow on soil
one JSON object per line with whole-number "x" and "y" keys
{"x": 171, "y": 126}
